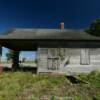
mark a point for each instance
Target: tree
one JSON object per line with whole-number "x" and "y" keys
{"x": 0, "y": 53}
{"x": 14, "y": 55}
{"x": 94, "y": 28}
{"x": 23, "y": 60}
{"x": 9, "y": 55}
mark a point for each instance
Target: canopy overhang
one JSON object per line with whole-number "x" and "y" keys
{"x": 31, "y": 39}
{"x": 32, "y": 45}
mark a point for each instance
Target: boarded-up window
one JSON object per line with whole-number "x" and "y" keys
{"x": 57, "y": 58}
{"x": 52, "y": 52}
{"x": 52, "y": 59}
{"x": 52, "y": 63}
{"x": 49, "y": 63}
{"x": 85, "y": 56}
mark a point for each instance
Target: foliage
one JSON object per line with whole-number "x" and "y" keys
{"x": 9, "y": 55}
{"x": 93, "y": 79}
{"x": 94, "y": 28}
{"x": 0, "y": 50}
{"x": 97, "y": 97}
{"x": 28, "y": 86}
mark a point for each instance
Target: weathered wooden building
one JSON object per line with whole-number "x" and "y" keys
{"x": 58, "y": 50}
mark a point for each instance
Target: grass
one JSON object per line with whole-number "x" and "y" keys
{"x": 26, "y": 62}
{"x": 28, "y": 86}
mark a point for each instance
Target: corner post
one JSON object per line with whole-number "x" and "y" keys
{"x": 15, "y": 60}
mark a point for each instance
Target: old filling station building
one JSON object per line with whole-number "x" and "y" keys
{"x": 58, "y": 50}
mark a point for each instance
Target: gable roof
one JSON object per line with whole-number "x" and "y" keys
{"x": 46, "y": 34}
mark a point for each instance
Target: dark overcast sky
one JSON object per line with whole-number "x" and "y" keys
{"x": 48, "y": 13}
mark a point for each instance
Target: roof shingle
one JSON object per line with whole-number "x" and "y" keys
{"x": 66, "y": 34}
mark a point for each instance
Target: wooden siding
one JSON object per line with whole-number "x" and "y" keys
{"x": 68, "y": 60}
{"x": 53, "y": 58}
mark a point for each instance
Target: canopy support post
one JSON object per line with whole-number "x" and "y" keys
{"x": 15, "y": 60}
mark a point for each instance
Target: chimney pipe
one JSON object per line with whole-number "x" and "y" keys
{"x": 62, "y": 25}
